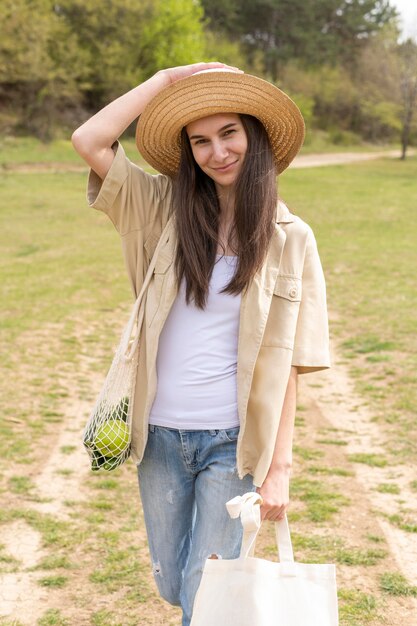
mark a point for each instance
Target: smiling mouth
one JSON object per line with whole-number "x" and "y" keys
{"x": 225, "y": 168}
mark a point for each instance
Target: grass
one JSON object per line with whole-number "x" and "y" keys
{"x": 331, "y": 549}
{"x": 330, "y": 471}
{"x": 395, "y": 584}
{"x": 53, "y": 581}
{"x": 7, "y": 562}
{"x": 68, "y": 296}
{"x": 68, "y": 449}
{"x": 373, "y": 460}
{"x": 56, "y": 534}
{"x": 320, "y": 502}
{"x": 52, "y": 617}
{"x": 404, "y": 520}
{"x": 21, "y": 485}
{"x": 365, "y": 224}
{"x": 18, "y": 150}
{"x": 388, "y": 488}
{"x": 54, "y": 562}
{"x": 356, "y": 608}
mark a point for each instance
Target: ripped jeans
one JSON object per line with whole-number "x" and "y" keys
{"x": 185, "y": 479}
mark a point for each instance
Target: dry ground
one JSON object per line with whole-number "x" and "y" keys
{"x": 330, "y": 413}
{"x": 333, "y": 423}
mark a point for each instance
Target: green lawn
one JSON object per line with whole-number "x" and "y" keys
{"x": 66, "y": 297}
{"x": 62, "y": 261}
{"x": 365, "y": 221}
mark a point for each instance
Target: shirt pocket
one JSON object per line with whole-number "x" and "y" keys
{"x": 157, "y": 285}
{"x": 283, "y": 313}
{"x": 288, "y": 287}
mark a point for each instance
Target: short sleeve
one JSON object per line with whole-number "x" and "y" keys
{"x": 131, "y": 197}
{"x": 311, "y": 346}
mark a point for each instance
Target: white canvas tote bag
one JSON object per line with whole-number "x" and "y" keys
{"x": 249, "y": 591}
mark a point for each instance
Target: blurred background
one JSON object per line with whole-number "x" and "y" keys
{"x": 350, "y": 64}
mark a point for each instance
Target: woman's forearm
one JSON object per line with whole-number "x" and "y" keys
{"x": 282, "y": 457}
{"x": 103, "y": 128}
{"x": 275, "y": 490}
{"x": 93, "y": 139}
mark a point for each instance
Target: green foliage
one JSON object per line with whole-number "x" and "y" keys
{"x": 306, "y": 105}
{"x": 218, "y": 47}
{"x": 41, "y": 64}
{"x": 57, "y": 59}
{"x": 315, "y": 32}
{"x": 340, "y": 60}
{"x": 173, "y": 36}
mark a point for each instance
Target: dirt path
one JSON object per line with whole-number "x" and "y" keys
{"x": 332, "y": 394}
{"x": 340, "y": 158}
{"x": 334, "y": 413}
{"x": 330, "y": 405}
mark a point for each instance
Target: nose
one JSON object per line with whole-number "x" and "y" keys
{"x": 220, "y": 152}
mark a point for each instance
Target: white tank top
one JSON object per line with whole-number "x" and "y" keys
{"x": 197, "y": 359}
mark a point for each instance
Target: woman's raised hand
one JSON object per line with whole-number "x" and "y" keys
{"x": 182, "y": 71}
{"x": 95, "y": 138}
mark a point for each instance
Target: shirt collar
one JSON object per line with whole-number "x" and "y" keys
{"x": 283, "y": 215}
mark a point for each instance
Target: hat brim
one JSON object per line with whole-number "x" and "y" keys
{"x": 159, "y": 127}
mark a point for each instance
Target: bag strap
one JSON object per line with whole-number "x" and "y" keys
{"x": 248, "y": 507}
{"x": 129, "y": 343}
{"x": 283, "y": 538}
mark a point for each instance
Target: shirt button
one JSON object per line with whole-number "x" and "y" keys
{"x": 293, "y": 292}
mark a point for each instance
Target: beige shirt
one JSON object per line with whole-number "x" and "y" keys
{"x": 283, "y": 315}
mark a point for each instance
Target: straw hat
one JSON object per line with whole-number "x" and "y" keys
{"x": 158, "y": 131}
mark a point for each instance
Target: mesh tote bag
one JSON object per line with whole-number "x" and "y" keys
{"x": 249, "y": 591}
{"x": 107, "y": 434}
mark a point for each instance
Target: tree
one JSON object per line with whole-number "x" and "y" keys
{"x": 407, "y": 55}
{"x": 329, "y": 31}
{"x": 40, "y": 65}
{"x": 126, "y": 41}
{"x": 61, "y": 60}
{"x": 388, "y": 74}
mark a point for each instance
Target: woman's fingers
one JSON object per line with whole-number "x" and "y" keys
{"x": 274, "y": 513}
{"x": 176, "y": 73}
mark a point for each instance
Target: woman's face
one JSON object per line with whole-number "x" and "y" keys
{"x": 219, "y": 145}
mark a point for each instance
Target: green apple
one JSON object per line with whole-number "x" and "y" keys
{"x": 112, "y": 438}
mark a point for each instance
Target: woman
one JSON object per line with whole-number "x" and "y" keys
{"x": 235, "y": 310}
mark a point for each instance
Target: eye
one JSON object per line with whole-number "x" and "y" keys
{"x": 230, "y": 131}
{"x": 200, "y": 141}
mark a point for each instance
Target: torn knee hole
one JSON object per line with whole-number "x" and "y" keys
{"x": 156, "y": 569}
{"x": 215, "y": 556}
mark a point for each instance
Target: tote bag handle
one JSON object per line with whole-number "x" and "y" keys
{"x": 134, "y": 325}
{"x": 248, "y": 508}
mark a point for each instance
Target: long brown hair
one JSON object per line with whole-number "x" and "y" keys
{"x": 197, "y": 209}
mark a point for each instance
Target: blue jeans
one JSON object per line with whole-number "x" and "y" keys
{"x": 185, "y": 479}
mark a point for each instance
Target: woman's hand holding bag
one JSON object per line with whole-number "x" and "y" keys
{"x": 249, "y": 591}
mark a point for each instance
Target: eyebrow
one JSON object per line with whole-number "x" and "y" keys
{"x": 220, "y": 131}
